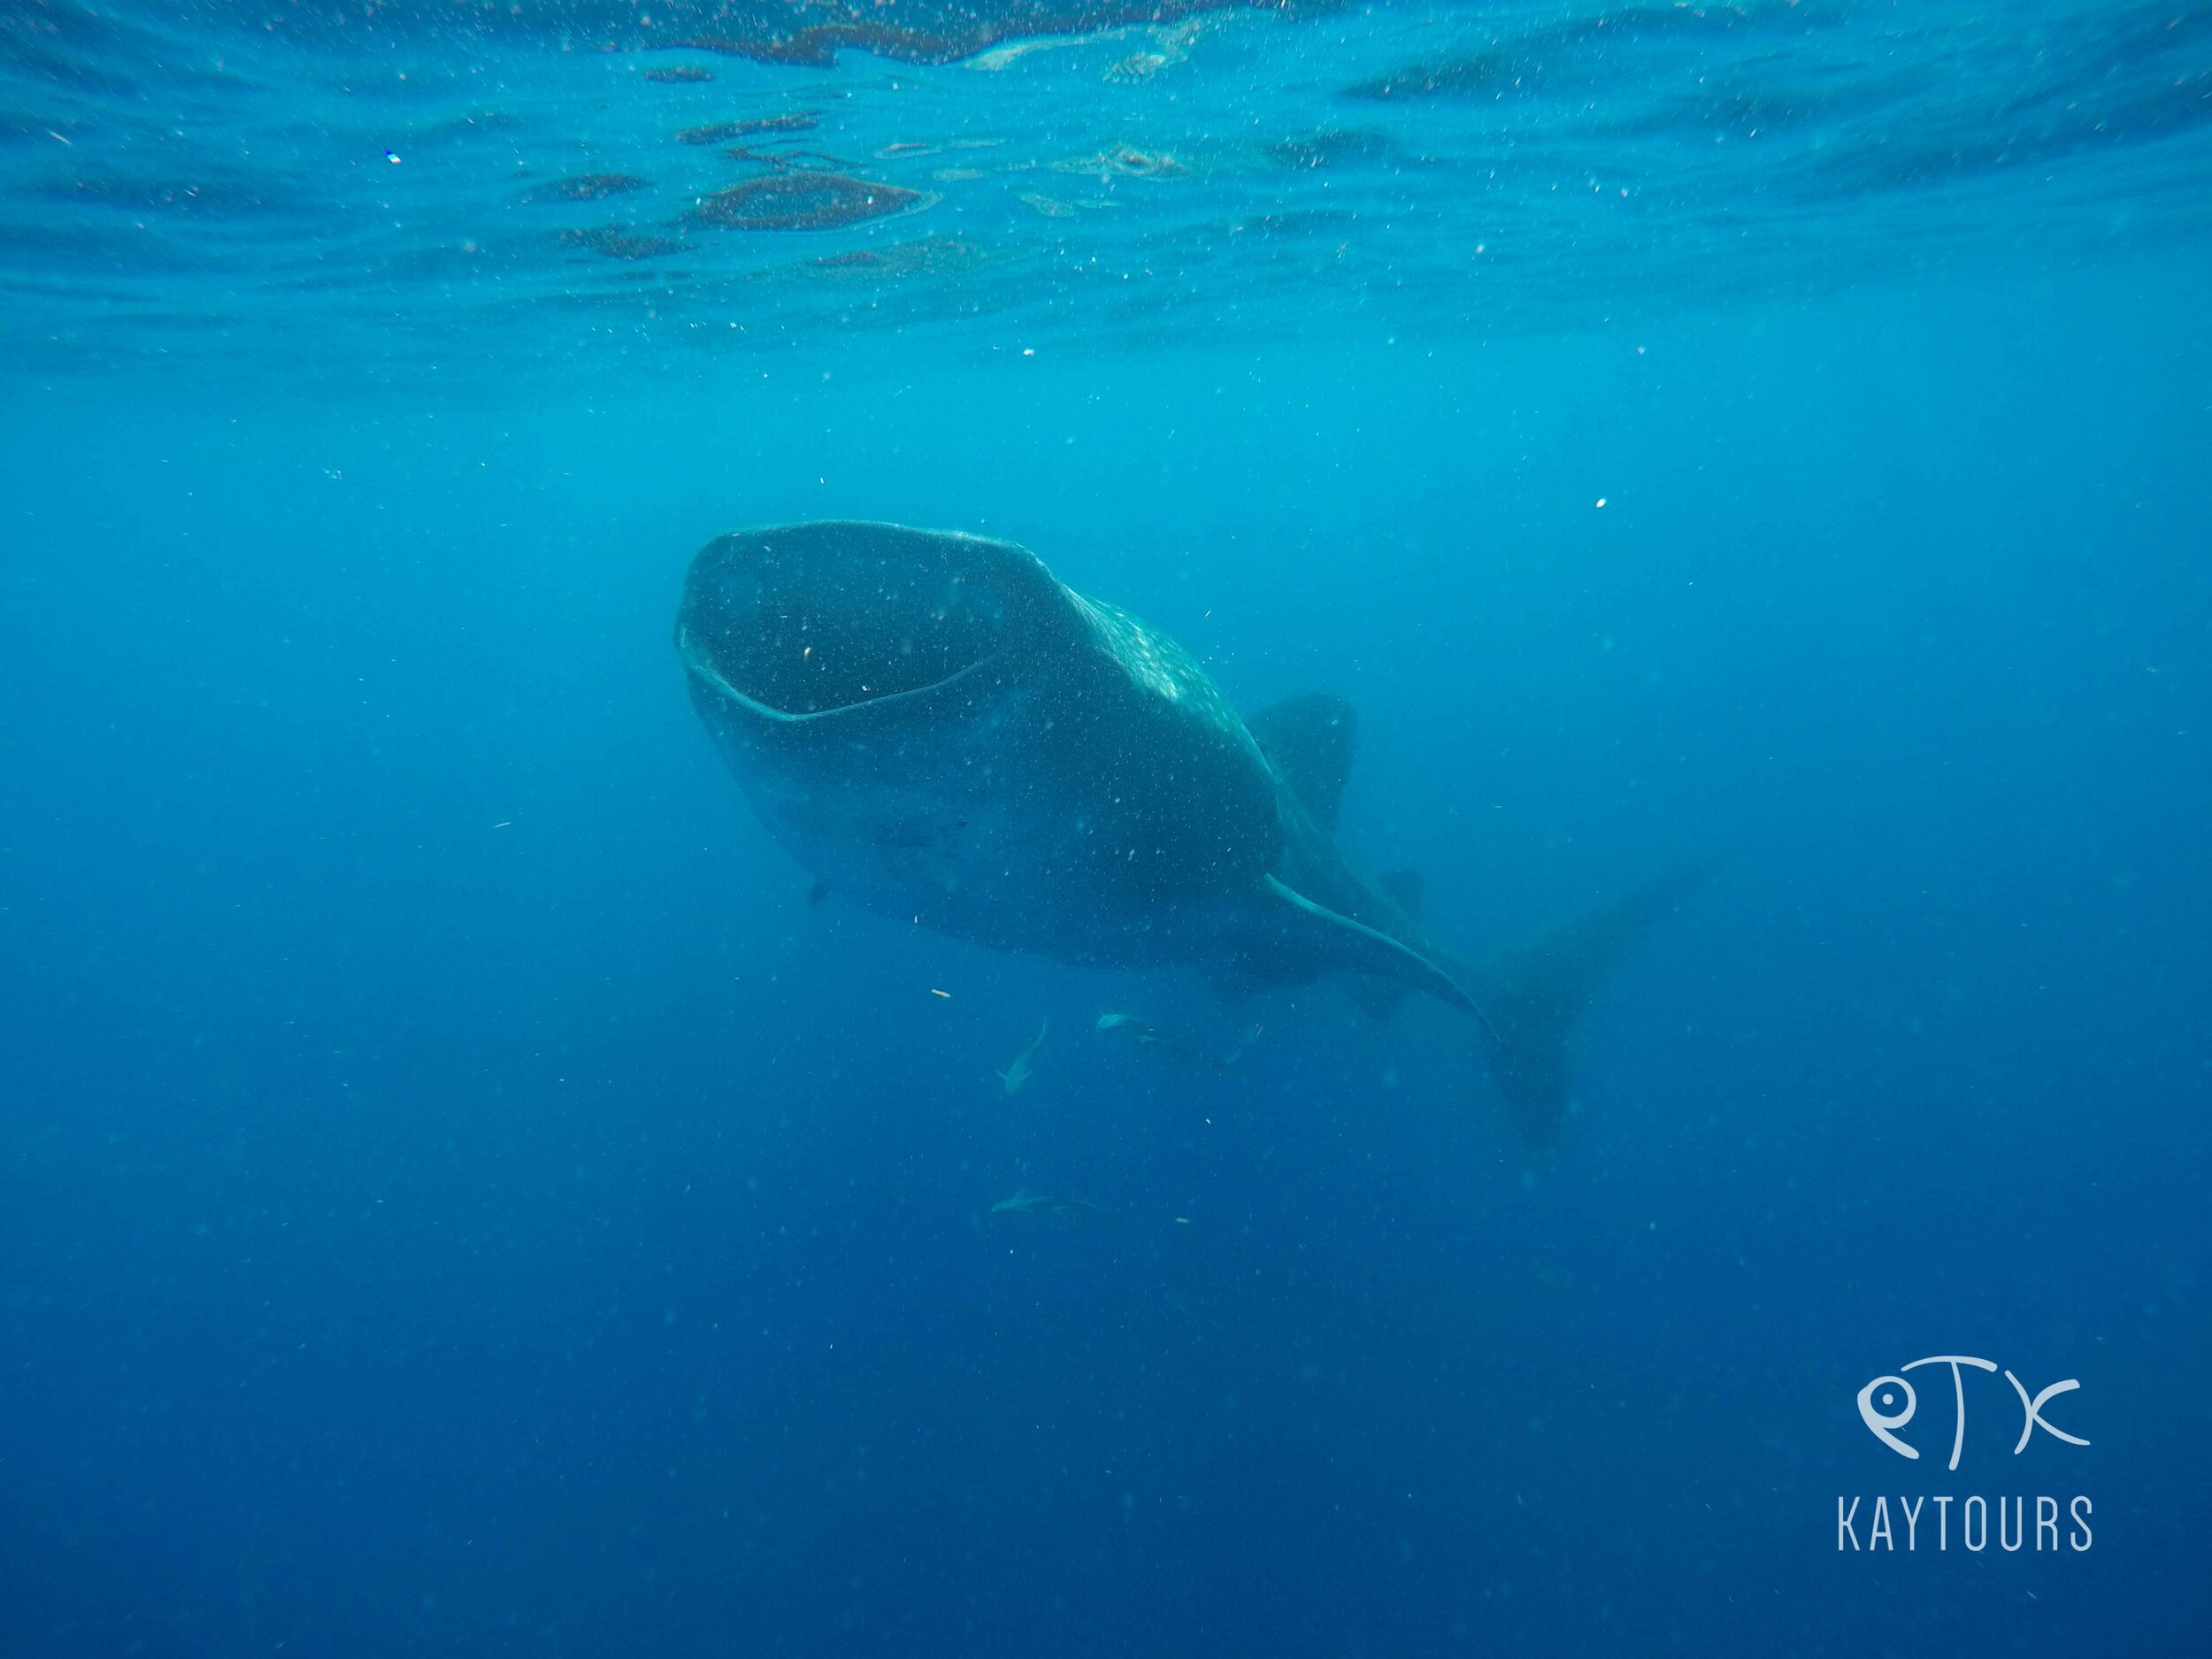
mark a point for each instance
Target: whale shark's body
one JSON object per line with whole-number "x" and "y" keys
{"x": 942, "y": 732}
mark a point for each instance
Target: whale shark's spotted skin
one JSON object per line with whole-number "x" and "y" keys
{"x": 940, "y": 732}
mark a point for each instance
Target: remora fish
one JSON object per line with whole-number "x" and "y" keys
{"x": 1141, "y": 1031}
{"x": 1016, "y": 1075}
{"x": 1025, "y": 1202}
{"x": 936, "y": 728}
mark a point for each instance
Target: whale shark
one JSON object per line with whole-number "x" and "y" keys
{"x": 939, "y": 730}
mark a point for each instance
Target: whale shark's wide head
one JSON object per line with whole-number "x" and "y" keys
{"x": 937, "y": 728}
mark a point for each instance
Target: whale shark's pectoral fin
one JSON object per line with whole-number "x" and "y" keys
{"x": 1314, "y": 937}
{"x": 1379, "y": 999}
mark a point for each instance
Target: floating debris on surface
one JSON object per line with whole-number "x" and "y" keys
{"x": 215, "y": 196}
{"x": 1129, "y": 162}
{"x": 679, "y": 74}
{"x": 1144, "y": 164}
{"x": 1331, "y": 149}
{"x": 590, "y": 187}
{"x": 1170, "y": 46}
{"x": 804, "y": 200}
{"x": 1136, "y": 67}
{"x": 722, "y": 132}
{"x": 816, "y": 45}
{"x": 786, "y": 160}
{"x": 797, "y": 121}
{"x": 1164, "y": 45}
{"x": 617, "y": 243}
{"x": 1004, "y": 57}
{"x": 928, "y": 256}
{"x": 1490, "y": 74}
{"x": 1051, "y": 207}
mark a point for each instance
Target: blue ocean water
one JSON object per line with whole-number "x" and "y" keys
{"x": 458, "y": 1194}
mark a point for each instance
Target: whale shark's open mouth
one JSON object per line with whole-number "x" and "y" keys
{"x": 808, "y": 620}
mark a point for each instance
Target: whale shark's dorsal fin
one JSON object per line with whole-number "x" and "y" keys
{"x": 1309, "y": 740}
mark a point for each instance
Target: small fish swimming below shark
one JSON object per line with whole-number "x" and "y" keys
{"x": 1142, "y": 1032}
{"x": 1025, "y": 1202}
{"x": 940, "y": 732}
{"x": 1023, "y": 1065}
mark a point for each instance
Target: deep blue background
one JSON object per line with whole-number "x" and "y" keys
{"x": 456, "y": 1195}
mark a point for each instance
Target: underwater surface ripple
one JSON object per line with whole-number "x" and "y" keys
{"x": 495, "y": 187}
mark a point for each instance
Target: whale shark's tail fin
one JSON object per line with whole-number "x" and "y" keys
{"x": 1531, "y": 994}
